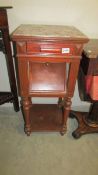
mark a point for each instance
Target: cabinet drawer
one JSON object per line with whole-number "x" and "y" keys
{"x": 33, "y": 47}
{"x": 53, "y": 48}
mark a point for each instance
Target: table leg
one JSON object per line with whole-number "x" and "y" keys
{"x": 26, "y": 105}
{"x": 66, "y": 110}
{"x": 10, "y": 66}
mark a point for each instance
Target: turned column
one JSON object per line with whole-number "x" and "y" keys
{"x": 66, "y": 111}
{"x": 26, "y": 105}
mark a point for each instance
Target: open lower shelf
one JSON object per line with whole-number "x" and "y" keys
{"x": 46, "y": 117}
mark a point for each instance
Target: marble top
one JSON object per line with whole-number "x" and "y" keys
{"x": 48, "y": 31}
{"x": 91, "y": 49}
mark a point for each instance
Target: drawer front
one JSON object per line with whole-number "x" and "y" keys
{"x": 53, "y": 48}
{"x": 33, "y": 47}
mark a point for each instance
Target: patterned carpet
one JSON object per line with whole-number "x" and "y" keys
{"x": 44, "y": 153}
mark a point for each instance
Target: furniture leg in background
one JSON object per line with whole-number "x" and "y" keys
{"x": 88, "y": 90}
{"x": 5, "y": 47}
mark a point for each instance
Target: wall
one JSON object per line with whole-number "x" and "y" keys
{"x": 80, "y": 13}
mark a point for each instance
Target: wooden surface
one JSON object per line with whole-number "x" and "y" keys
{"x": 48, "y": 59}
{"x": 46, "y": 117}
{"x": 91, "y": 49}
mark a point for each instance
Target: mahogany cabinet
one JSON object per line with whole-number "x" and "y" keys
{"x": 47, "y": 59}
{"x": 5, "y": 47}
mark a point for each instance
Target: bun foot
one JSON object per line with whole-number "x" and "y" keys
{"x": 76, "y": 135}
{"x": 63, "y": 131}
{"x": 27, "y": 132}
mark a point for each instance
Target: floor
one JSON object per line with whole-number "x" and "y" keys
{"x": 44, "y": 153}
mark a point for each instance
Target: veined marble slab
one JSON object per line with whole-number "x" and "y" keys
{"x": 34, "y": 30}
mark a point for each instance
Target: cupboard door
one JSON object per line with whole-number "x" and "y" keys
{"x": 47, "y": 76}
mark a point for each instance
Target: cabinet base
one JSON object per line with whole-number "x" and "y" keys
{"x": 46, "y": 117}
